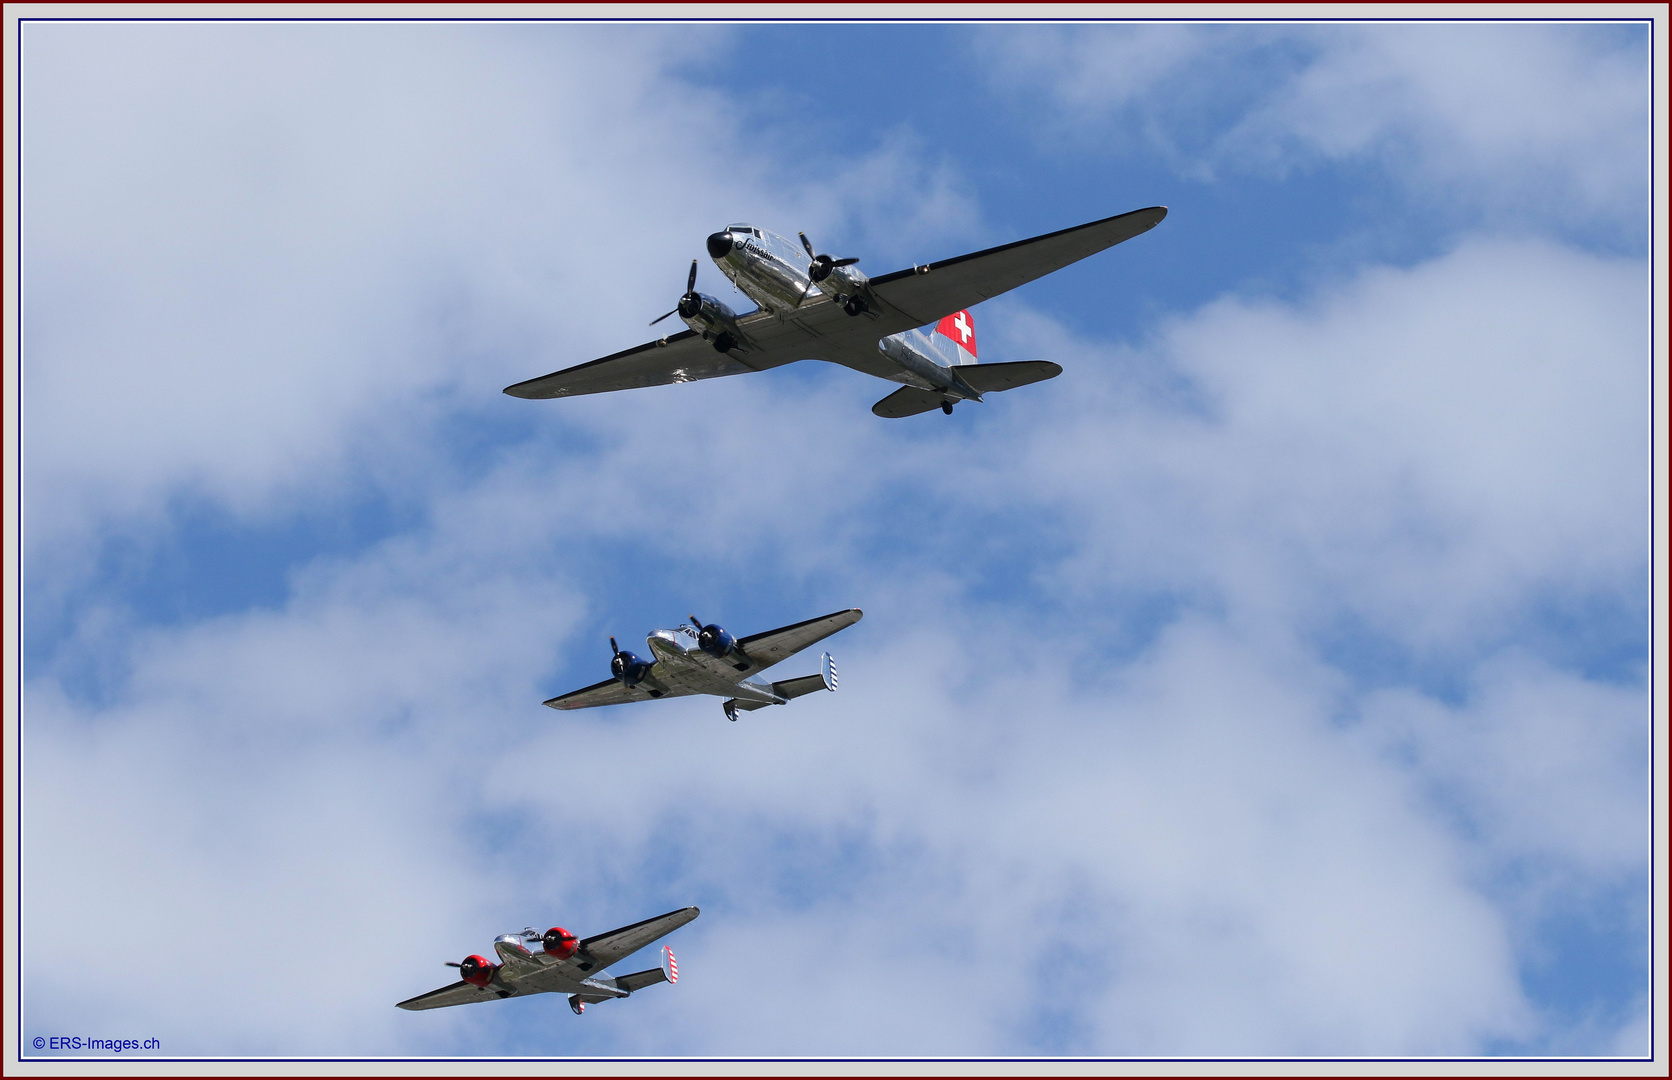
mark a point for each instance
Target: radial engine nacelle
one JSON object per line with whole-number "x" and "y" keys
{"x": 560, "y": 943}
{"x": 716, "y": 322}
{"x": 705, "y": 315}
{"x": 477, "y": 970}
{"x": 627, "y": 667}
{"x": 714, "y": 640}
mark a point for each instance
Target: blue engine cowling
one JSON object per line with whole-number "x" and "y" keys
{"x": 716, "y": 642}
{"x": 629, "y": 668}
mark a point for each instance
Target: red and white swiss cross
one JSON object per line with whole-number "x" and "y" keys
{"x": 960, "y": 328}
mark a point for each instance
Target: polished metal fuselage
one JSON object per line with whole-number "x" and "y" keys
{"x": 772, "y": 271}
{"x": 682, "y": 665}
{"x": 529, "y": 970}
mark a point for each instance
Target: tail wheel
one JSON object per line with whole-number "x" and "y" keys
{"x": 577, "y": 1005}
{"x": 946, "y": 407}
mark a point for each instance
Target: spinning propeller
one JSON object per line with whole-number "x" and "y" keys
{"x": 691, "y": 302}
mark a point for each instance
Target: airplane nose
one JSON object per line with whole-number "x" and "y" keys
{"x": 719, "y": 244}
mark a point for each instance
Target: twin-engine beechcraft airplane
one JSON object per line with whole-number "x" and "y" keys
{"x": 564, "y": 965}
{"x": 815, "y": 307}
{"x": 700, "y": 659}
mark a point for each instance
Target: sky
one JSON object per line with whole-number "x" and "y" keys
{"x": 1274, "y": 682}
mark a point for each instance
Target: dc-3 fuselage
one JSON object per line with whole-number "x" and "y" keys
{"x": 899, "y": 327}
{"x": 699, "y": 659}
{"x": 557, "y": 962}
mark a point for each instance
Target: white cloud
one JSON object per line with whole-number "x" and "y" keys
{"x": 1515, "y": 122}
{"x": 1426, "y": 450}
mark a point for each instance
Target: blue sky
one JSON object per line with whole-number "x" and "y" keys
{"x": 1273, "y": 682}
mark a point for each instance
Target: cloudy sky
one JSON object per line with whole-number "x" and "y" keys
{"x": 1273, "y": 682}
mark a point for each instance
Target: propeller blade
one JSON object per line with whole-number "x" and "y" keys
{"x": 808, "y": 244}
{"x": 691, "y": 282}
{"x": 658, "y": 319}
{"x": 844, "y": 262}
{"x": 452, "y": 963}
{"x": 695, "y": 622}
{"x": 615, "y": 650}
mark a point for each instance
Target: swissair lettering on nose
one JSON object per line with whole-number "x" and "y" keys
{"x": 827, "y": 309}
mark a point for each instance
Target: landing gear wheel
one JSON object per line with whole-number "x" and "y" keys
{"x": 854, "y": 306}
{"x": 946, "y": 407}
{"x": 725, "y": 343}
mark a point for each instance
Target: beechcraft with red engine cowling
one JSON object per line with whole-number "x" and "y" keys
{"x": 699, "y": 659}
{"x": 564, "y": 964}
{"x": 912, "y": 326}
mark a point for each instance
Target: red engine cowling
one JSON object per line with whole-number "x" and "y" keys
{"x": 476, "y": 971}
{"x": 560, "y": 943}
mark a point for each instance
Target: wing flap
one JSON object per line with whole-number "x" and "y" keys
{"x": 605, "y": 949}
{"x": 460, "y": 993}
{"x": 775, "y": 645}
{"x": 685, "y": 357}
{"x": 608, "y": 692}
{"x": 927, "y": 293}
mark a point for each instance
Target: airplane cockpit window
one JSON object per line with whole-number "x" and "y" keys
{"x": 786, "y": 249}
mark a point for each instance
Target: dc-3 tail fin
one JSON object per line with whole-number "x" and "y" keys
{"x": 959, "y": 329}
{"x": 789, "y": 688}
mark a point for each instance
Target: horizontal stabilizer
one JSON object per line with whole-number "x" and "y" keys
{"x": 638, "y": 980}
{"x": 988, "y": 378}
{"x": 911, "y": 400}
{"x": 794, "y": 688}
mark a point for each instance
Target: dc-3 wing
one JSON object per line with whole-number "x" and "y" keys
{"x": 923, "y": 294}
{"x": 611, "y": 692}
{"x": 820, "y": 330}
{"x": 685, "y": 357}
{"x": 764, "y": 650}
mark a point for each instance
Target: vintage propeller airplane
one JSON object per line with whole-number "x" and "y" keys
{"x": 564, "y": 965}
{"x": 815, "y": 307}
{"x": 700, "y": 659}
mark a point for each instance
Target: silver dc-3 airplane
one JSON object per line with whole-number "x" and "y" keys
{"x": 564, "y": 965}
{"x": 815, "y": 307}
{"x": 700, "y": 659}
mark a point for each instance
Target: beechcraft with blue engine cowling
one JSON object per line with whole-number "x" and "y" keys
{"x": 699, "y": 659}
{"x": 815, "y": 307}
